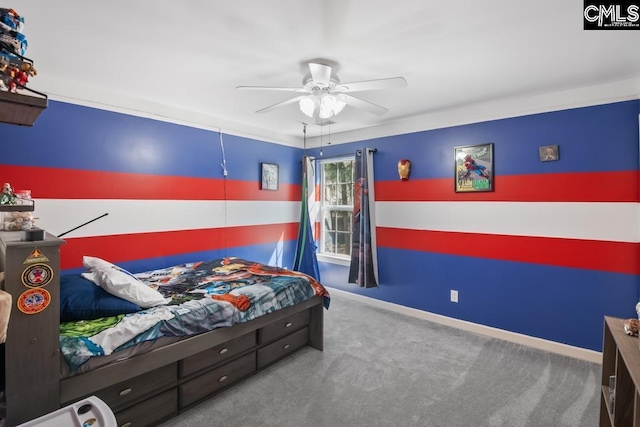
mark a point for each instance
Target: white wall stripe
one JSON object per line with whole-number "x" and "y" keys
{"x": 593, "y": 221}
{"x": 616, "y": 222}
{"x": 143, "y": 216}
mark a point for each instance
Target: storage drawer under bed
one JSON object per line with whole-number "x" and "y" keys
{"x": 283, "y": 347}
{"x": 217, "y": 354}
{"x": 284, "y": 326}
{"x": 151, "y": 412}
{"x": 210, "y": 382}
{"x": 133, "y": 390}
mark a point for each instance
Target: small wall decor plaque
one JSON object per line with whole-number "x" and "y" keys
{"x": 549, "y": 153}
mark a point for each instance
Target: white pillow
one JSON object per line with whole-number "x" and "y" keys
{"x": 119, "y": 282}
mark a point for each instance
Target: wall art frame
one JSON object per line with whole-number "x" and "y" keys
{"x": 474, "y": 168}
{"x": 269, "y": 173}
{"x": 549, "y": 153}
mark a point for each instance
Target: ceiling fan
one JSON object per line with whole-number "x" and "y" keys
{"x": 322, "y": 95}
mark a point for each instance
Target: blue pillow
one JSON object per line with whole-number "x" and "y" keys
{"x": 81, "y": 299}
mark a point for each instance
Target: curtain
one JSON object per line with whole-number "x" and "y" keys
{"x": 363, "y": 270}
{"x": 305, "y": 260}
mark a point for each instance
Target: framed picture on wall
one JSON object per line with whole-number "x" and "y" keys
{"x": 269, "y": 174}
{"x": 473, "y": 168}
{"x": 549, "y": 153}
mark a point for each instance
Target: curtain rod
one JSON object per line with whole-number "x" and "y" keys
{"x": 372, "y": 150}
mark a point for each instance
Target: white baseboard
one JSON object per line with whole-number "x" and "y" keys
{"x": 539, "y": 343}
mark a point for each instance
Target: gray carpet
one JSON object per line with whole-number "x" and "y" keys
{"x": 380, "y": 368}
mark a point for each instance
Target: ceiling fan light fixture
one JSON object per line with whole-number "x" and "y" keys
{"x": 339, "y": 104}
{"x": 330, "y": 105}
{"x": 326, "y": 106}
{"x": 308, "y": 105}
{"x": 323, "y": 96}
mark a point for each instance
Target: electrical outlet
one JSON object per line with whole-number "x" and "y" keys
{"x": 454, "y": 295}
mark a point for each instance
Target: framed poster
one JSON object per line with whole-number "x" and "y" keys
{"x": 473, "y": 168}
{"x": 269, "y": 174}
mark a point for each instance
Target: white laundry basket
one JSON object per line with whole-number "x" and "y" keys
{"x": 89, "y": 412}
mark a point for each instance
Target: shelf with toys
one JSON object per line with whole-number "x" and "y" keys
{"x": 19, "y": 104}
{"x": 16, "y": 209}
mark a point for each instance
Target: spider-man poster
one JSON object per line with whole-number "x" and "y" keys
{"x": 474, "y": 168}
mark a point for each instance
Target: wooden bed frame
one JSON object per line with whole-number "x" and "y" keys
{"x": 146, "y": 389}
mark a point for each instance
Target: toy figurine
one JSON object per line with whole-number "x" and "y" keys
{"x": 631, "y": 327}
{"x": 14, "y": 75}
{"x": 10, "y": 20}
{"x": 20, "y": 76}
{"x": 4, "y": 78}
{"x": 8, "y": 196}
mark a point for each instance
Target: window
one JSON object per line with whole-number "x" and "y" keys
{"x": 336, "y": 207}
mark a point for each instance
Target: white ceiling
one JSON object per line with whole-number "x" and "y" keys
{"x": 464, "y": 60}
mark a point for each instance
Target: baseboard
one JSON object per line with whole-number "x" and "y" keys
{"x": 539, "y": 343}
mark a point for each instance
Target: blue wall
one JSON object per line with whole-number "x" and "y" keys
{"x": 560, "y": 300}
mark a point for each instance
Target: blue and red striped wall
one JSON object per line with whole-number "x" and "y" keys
{"x": 162, "y": 185}
{"x": 548, "y": 253}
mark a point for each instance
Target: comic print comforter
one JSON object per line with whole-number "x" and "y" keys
{"x": 204, "y": 296}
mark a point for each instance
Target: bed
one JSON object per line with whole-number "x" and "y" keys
{"x": 193, "y": 330}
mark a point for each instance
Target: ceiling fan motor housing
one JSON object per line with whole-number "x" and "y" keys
{"x": 313, "y": 86}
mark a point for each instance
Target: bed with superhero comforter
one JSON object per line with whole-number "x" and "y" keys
{"x": 190, "y": 299}
{"x": 151, "y": 344}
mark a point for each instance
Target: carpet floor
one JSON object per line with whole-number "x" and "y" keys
{"x": 381, "y": 368}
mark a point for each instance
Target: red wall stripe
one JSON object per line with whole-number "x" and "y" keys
{"x": 616, "y": 257}
{"x": 556, "y": 187}
{"x": 59, "y": 183}
{"x": 129, "y": 247}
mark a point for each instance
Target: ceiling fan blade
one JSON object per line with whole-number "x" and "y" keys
{"x": 390, "y": 83}
{"x": 274, "y": 88}
{"x": 364, "y": 105}
{"x": 281, "y": 104}
{"x": 320, "y": 73}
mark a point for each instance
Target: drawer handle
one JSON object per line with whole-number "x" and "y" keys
{"x": 222, "y": 378}
{"x": 125, "y": 391}
{"x": 288, "y": 325}
{"x": 286, "y": 347}
{"x": 224, "y": 350}
{"x": 126, "y": 425}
